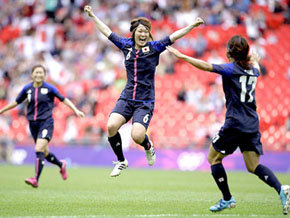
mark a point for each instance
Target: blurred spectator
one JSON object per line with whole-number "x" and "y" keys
{"x": 181, "y": 95}
{"x": 57, "y": 33}
{"x": 200, "y": 45}
{"x": 252, "y": 27}
{"x": 71, "y": 130}
{"x": 214, "y": 58}
{"x": 261, "y": 51}
{"x": 6, "y": 149}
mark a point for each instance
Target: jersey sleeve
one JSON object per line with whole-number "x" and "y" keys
{"x": 56, "y": 93}
{"x": 21, "y": 96}
{"x": 223, "y": 69}
{"x": 256, "y": 72}
{"x": 119, "y": 41}
{"x": 160, "y": 45}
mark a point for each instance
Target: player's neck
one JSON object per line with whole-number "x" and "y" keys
{"x": 37, "y": 84}
{"x": 137, "y": 47}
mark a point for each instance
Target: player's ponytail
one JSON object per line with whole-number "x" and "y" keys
{"x": 140, "y": 20}
{"x": 238, "y": 49}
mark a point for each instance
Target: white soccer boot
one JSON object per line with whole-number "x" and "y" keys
{"x": 120, "y": 165}
{"x": 150, "y": 155}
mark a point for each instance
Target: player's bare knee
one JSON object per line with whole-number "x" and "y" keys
{"x": 212, "y": 160}
{"x": 137, "y": 137}
{"x": 112, "y": 128}
{"x": 46, "y": 152}
{"x": 39, "y": 149}
{"x": 251, "y": 169}
{"x": 209, "y": 159}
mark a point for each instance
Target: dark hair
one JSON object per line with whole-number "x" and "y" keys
{"x": 140, "y": 20}
{"x": 238, "y": 49}
{"x": 36, "y": 66}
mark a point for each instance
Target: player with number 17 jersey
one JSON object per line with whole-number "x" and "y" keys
{"x": 241, "y": 127}
{"x": 239, "y": 88}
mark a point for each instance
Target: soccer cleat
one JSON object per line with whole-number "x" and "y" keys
{"x": 120, "y": 165}
{"x": 62, "y": 171}
{"x": 222, "y": 204}
{"x": 150, "y": 155}
{"x": 32, "y": 181}
{"x": 285, "y": 198}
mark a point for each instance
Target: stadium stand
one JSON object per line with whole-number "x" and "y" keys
{"x": 88, "y": 71}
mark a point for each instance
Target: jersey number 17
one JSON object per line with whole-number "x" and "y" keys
{"x": 252, "y": 81}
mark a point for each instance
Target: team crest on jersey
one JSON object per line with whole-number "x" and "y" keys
{"x": 145, "y": 49}
{"x": 44, "y": 91}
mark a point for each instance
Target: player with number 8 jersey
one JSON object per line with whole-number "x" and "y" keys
{"x": 141, "y": 54}
{"x": 241, "y": 127}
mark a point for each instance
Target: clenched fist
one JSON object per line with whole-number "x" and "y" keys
{"x": 89, "y": 10}
{"x": 198, "y": 21}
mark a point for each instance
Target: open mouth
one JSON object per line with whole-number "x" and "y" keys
{"x": 142, "y": 40}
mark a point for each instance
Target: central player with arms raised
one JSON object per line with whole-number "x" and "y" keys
{"x": 137, "y": 99}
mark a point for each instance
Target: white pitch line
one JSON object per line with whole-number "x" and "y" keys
{"x": 157, "y": 215}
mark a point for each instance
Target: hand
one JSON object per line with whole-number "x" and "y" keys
{"x": 255, "y": 57}
{"x": 80, "y": 114}
{"x": 174, "y": 51}
{"x": 89, "y": 10}
{"x": 198, "y": 21}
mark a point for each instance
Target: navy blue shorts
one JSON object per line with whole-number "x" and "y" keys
{"x": 141, "y": 112}
{"x": 228, "y": 140}
{"x": 41, "y": 129}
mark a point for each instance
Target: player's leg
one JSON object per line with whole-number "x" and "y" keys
{"x": 140, "y": 137}
{"x": 34, "y": 129}
{"x": 40, "y": 147}
{"x": 251, "y": 159}
{"x": 252, "y": 149}
{"x": 46, "y": 132}
{"x": 50, "y": 157}
{"x": 253, "y": 165}
{"x": 121, "y": 114}
{"x": 217, "y": 152}
{"x": 141, "y": 119}
{"x": 114, "y": 123}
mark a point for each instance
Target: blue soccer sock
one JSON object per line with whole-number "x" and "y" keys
{"x": 219, "y": 174}
{"x": 39, "y": 164}
{"x": 266, "y": 175}
{"x": 146, "y": 143}
{"x": 53, "y": 159}
{"x": 116, "y": 144}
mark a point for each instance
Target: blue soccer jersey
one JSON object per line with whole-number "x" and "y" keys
{"x": 239, "y": 88}
{"x": 140, "y": 66}
{"x": 40, "y": 100}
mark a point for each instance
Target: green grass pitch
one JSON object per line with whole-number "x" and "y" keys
{"x": 90, "y": 192}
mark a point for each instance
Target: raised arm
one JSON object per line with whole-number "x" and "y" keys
{"x": 255, "y": 58}
{"x": 68, "y": 103}
{"x": 8, "y": 107}
{"x": 182, "y": 32}
{"x": 200, "y": 64}
{"x": 103, "y": 28}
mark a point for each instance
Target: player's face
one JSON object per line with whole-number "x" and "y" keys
{"x": 142, "y": 36}
{"x": 38, "y": 75}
